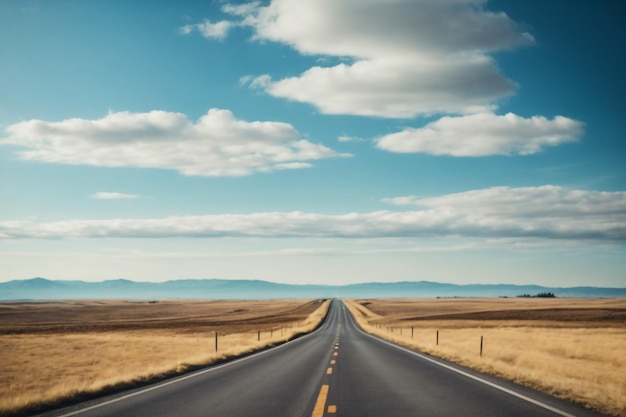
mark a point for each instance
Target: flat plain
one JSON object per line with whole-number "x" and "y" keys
{"x": 52, "y": 352}
{"x": 574, "y": 349}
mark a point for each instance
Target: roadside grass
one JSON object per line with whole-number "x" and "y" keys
{"x": 581, "y": 361}
{"x": 44, "y": 369}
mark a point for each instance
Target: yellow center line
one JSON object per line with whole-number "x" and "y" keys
{"x": 335, "y": 354}
{"x": 332, "y": 362}
{"x": 332, "y": 409}
{"x": 329, "y": 371}
{"x": 318, "y": 411}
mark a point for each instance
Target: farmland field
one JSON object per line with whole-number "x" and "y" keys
{"x": 52, "y": 352}
{"x": 574, "y": 349}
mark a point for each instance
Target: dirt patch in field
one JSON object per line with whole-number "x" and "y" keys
{"x": 588, "y": 312}
{"x": 181, "y": 316}
{"x": 548, "y": 314}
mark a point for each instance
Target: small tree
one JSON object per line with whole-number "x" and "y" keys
{"x": 546, "y": 295}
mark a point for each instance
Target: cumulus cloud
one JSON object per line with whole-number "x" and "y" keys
{"x": 209, "y": 30}
{"x": 484, "y": 134}
{"x": 395, "y": 89}
{"x": 113, "y": 196}
{"x": 547, "y": 212}
{"x": 407, "y": 58}
{"x": 217, "y": 144}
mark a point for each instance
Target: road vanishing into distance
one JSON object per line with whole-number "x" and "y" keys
{"x": 338, "y": 370}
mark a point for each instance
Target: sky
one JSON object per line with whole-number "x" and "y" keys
{"x": 329, "y": 142}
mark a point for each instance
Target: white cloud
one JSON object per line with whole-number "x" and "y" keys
{"x": 409, "y": 58}
{"x": 241, "y": 9}
{"x": 401, "y": 201}
{"x": 484, "y": 134}
{"x": 374, "y": 28}
{"x": 544, "y": 202}
{"x": 345, "y": 139}
{"x": 209, "y": 30}
{"x": 102, "y": 195}
{"x": 217, "y": 144}
{"x": 395, "y": 88}
{"x": 246, "y": 79}
{"x": 547, "y": 212}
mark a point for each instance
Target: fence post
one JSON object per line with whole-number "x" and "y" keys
{"x": 412, "y": 330}
{"x": 437, "y": 341}
{"x": 258, "y": 336}
{"x": 481, "y": 346}
{"x": 216, "y": 341}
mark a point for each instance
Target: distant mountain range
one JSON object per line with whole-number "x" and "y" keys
{"x": 45, "y": 289}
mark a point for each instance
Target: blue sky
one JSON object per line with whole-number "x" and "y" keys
{"x": 331, "y": 142}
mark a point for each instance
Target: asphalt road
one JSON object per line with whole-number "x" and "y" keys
{"x": 336, "y": 371}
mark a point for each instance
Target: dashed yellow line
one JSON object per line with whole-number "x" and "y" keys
{"x": 320, "y": 404}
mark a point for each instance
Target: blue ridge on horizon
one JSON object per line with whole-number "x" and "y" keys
{"x": 214, "y": 288}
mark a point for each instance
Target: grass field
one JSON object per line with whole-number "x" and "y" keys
{"x": 58, "y": 351}
{"x": 574, "y": 349}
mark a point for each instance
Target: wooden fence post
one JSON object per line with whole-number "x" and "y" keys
{"x": 216, "y": 341}
{"x": 481, "y": 346}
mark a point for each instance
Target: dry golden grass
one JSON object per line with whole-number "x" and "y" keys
{"x": 52, "y": 352}
{"x": 572, "y": 349}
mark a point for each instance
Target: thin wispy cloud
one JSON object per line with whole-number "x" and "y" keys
{"x": 103, "y": 195}
{"x": 350, "y": 139}
{"x": 209, "y": 30}
{"x": 547, "y": 212}
{"x": 548, "y": 201}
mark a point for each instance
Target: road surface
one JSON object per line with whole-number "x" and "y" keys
{"x": 336, "y": 371}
